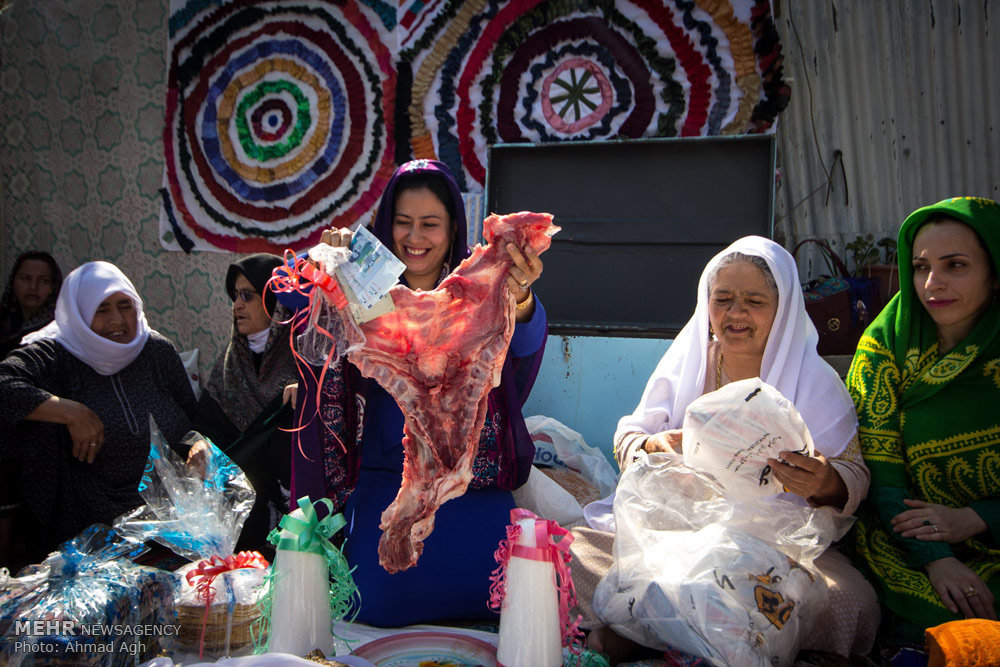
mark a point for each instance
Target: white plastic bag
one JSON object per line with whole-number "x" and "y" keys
{"x": 727, "y": 581}
{"x": 732, "y": 432}
{"x": 558, "y": 445}
{"x": 190, "y": 360}
{"x": 543, "y": 496}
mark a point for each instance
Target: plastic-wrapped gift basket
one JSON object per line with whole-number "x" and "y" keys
{"x": 200, "y": 518}
{"x": 87, "y": 604}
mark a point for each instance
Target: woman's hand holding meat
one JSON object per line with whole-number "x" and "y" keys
{"x": 525, "y": 270}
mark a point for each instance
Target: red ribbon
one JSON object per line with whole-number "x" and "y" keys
{"x": 207, "y": 570}
{"x": 298, "y": 275}
{"x": 325, "y": 282}
{"x": 288, "y": 279}
{"x": 547, "y": 549}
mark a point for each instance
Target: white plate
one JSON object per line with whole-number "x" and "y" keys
{"x": 424, "y": 649}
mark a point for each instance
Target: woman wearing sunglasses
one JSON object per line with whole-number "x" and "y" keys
{"x": 242, "y": 408}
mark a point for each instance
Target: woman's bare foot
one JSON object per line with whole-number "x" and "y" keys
{"x": 608, "y": 642}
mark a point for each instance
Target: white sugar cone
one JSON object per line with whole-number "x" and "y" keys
{"x": 300, "y": 606}
{"x": 529, "y": 621}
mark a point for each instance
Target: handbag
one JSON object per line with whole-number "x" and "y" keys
{"x": 841, "y": 307}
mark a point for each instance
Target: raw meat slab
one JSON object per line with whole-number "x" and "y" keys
{"x": 439, "y": 354}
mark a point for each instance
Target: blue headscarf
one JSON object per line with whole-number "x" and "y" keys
{"x": 421, "y": 169}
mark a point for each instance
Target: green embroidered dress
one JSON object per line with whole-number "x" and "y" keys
{"x": 929, "y": 426}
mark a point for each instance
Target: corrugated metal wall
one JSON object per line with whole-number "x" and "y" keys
{"x": 895, "y": 104}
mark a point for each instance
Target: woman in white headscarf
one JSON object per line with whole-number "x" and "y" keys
{"x": 77, "y": 402}
{"x": 750, "y": 321}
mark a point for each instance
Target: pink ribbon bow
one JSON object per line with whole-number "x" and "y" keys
{"x": 550, "y": 550}
{"x": 288, "y": 279}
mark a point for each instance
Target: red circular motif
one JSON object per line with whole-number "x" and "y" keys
{"x": 271, "y": 106}
{"x": 554, "y": 118}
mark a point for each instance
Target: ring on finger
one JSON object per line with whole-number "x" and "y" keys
{"x": 970, "y": 592}
{"x": 523, "y": 283}
{"x": 93, "y": 444}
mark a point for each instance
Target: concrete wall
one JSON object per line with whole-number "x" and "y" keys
{"x": 588, "y": 383}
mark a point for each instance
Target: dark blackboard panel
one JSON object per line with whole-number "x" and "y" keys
{"x": 640, "y": 219}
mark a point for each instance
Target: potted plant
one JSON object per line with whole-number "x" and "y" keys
{"x": 876, "y": 259}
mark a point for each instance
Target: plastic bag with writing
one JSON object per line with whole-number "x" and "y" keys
{"x": 726, "y": 581}
{"x": 732, "y": 432}
{"x": 558, "y": 445}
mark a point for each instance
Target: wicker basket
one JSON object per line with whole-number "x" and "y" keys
{"x": 226, "y": 634}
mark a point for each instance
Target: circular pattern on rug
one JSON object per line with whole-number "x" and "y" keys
{"x": 277, "y": 121}
{"x": 575, "y": 95}
{"x": 583, "y": 95}
{"x": 633, "y": 106}
{"x": 480, "y": 72}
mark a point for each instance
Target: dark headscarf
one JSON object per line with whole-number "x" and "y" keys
{"x": 12, "y": 325}
{"x": 241, "y": 388}
{"x": 257, "y": 269}
{"x": 422, "y": 171}
{"x": 505, "y": 444}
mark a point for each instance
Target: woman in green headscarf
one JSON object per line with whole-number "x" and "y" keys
{"x": 926, "y": 382}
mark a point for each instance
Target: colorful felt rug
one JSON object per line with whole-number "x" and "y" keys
{"x": 283, "y": 118}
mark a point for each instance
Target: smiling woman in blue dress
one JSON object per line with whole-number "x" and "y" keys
{"x": 355, "y": 457}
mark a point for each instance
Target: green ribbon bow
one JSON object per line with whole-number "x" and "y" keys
{"x": 309, "y": 534}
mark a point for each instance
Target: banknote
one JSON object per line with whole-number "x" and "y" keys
{"x": 371, "y": 270}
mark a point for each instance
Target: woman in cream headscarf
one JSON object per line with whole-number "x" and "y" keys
{"x": 77, "y": 402}
{"x": 750, "y": 321}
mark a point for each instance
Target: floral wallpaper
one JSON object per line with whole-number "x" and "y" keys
{"x": 82, "y": 89}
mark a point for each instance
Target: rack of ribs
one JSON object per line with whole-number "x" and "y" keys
{"x": 439, "y": 354}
